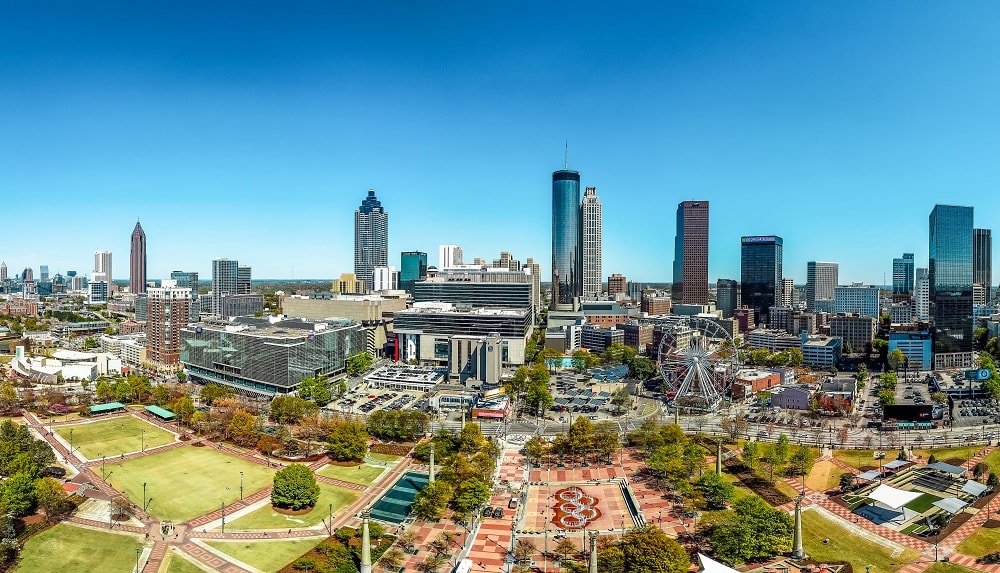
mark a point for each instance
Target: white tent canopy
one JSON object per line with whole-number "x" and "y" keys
{"x": 974, "y": 488}
{"x": 892, "y": 497}
{"x": 951, "y": 504}
{"x": 895, "y": 464}
{"x": 709, "y": 565}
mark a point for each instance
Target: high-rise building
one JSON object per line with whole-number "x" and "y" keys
{"x": 760, "y": 273}
{"x": 244, "y": 276}
{"x": 922, "y": 295}
{"x": 449, "y": 257}
{"x": 169, "y": 311}
{"x": 982, "y": 259}
{"x": 536, "y": 281}
{"x": 185, "y": 279}
{"x": 567, "y": 255}
{"x": 225, "y": 281}
{"x": 412, "y": 268}
{"x": 950, "y": 276}
{"x": 787, "y": 296}
{"x": 386, "y": 278}
{"x": 43, "y": 271}
{"x": 590, "y": 226}
{"x": 727, "y": 294}
{"x": 821, "y": 279}
{"x": 28, "y": 274}
{"x": 857, "y": 298}
{"x": 616, "y": 285}
{"x": 137, "y": 261}
{"x": 102, "y": 267}
{"x": 371, "y": 238}
{"x": 690, "y": 283}
{"x": 902, "y": 274}
{"x": 506, "y": 261}
{"x": 3, "y": 271}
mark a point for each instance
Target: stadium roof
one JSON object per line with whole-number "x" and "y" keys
{"x": 892, "y": 497}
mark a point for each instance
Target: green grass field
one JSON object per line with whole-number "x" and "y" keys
{"x": 923, "y": 503}
{"x": 177, "y": 564}
{"x": 363, "y": 474}
{"x": 114, "y": 437}
{"x": 984, "y": 541}
{"x": 993, "y": 460}
{"x": 187, "y": 482}
{"x": 845, "y": 546}
{"x": 267, "y": 556}
{"x": 384, "y": 457}
{"x": 941, "y": 567}
{"x": 942, "y": 454}
{"x": 69, "y": 549}
{"x": 267, "y": 518}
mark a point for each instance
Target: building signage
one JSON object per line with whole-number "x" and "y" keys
{"x": 977, "y": 375}
{"x": 759, "y": 239}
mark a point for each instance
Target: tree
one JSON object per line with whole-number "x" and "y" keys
{"x": 939, "y": 397}
{"x": 181, "y": 377}
{"x": 566, "y": 547}
{"x": 734, "y": 427}
{"x": 8, "y": 398}
{"x": 795, "y": 357}
{"x": 539, "y": 397}
{"x": 751, "y": 454}
{"x": 295, "y": 487}
{"x": 887, "y": 397}
{"x": 846, "y": 482}
{"x": 896, "y": 359}
{"x": 89, "y": 343}
{"x": 243, "y": 429}
{"x": 981, "y": 469}
{"x": 348, "y": 441}
{"x": 287, "y": 409}
{"x": 212, "y": 392}
{"x": 472, "y": 495}
{"x": 980, "y": 338}
{"x": 754, "y": 530}
{"x": 648, "y": 550}
{"x": 359, "y": 363}
{"x": 715, "y": 489}
{"x": 641, "y": 368}
{"x": 621, "y": 399}
{"x": 52, "y": 499}
{"x": 183, "y": 408}
{"x": 431, "y": 501}
{"x": 605, "y": 440}
{"x": 535, "y": 448}
{"x": 889, "y": 380}
{"x": 18, "y": 494}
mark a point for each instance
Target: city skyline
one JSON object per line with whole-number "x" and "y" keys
{"x": 121, "y": 113}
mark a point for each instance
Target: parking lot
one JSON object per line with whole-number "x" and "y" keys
{"x": 581, "y": 394}
{"x": 366, "y": 401}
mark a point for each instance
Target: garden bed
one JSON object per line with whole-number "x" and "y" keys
{"x": 400, "y": 450}
{"x": 758, "y": 485}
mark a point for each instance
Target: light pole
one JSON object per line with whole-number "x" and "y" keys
{"x": 223, "y": 515}
{"x": 71, "y": 441}
{"x": 142, "y": 440}
{"x": 241, "y": 486}
{"x": 138, "y": 552}
{"x": 143, "y": 496}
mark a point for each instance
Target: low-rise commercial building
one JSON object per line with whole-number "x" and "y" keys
{"x": 915, "y": 346}
{"x": 406, "y": 378}
{"x": 821, "y": 351}
{"x": 856, "y": 330}
{"x": 423, "y": 332}
{"x": 749, "y": 382}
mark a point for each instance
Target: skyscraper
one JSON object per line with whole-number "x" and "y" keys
{"x": 412, "y": 268}
{"x": 536, "y": 282}
{"x": 902, "y": 274}
{"x": 590, "y": 226}
{"x": 169, "y": 311}
{"x": 102, "y": 267}
{"x": 922, "y": 295}
{"x": 244, "y": 274}
{"x": 137, "y": 261}
{"x": 225, "y": 281}
{"x": 821, "y": 279}
{"x": 371, "y": 239}
{"x": 727, "y": 294}
{"x": 43, "y": 272}
{"x": 690, "y": 283}
{"x": 449, "y": 257}
{"x": 760, "y": 273}
{"x": 982, "y": 259}
{"x": 3, "y": 271}
{"x": 950, "y": 280}
{"x": 567, "y": 255}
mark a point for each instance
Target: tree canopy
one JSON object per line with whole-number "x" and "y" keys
{"x": 295, "y": 487}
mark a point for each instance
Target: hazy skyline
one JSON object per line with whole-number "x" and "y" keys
{"x": 253, "y": 131}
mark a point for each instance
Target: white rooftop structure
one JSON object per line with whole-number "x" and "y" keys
{"x": 891, "y": 497}
{"x": 975, "y": 488}
{"x": 950, "y": 504}
{"x": 709, "y": 565}
{"x": 895, "y": 464}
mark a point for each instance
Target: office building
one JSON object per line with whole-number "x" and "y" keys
{"x": 922, "y": 295}
{"x": 787, "y": 296}
{"x": 261, "y": 358}
{"x": 821, "y": 279}
{"x": 496, "y": 288}
{"x": 567, "y": 258}
{"x": 43, "y": 271}
{"x": 225, "y": 281}
{"x": 386, "y": 278}
{"x": 373, "y": 312}
{"x": 98, "y": 290}
{"x": 349, "y": 283}
{"x": 690, "y": 282}
{"x": 655, "y": 305}
{"x": 950, "y": 276}
{"x": 727, "y": 295}
{"x": 535, "y": 270}
{"x": 243, "y": 279}
{"x": 102, "y": 267}
{"x": 248, "y": 304}
{"x": 169, "y": 312}
{"x": 507, "y": 262}
{"x": 616, "y": 285}
{"x": 185, "y": 279}
{"x": 412, "y": 268}
{"x": 3, "y": 271}
{"x": 902, "y": 274}
{"x": 597, "y": 338}
{"x": 423, "y": 332}
{"x": 915, "y": 346}
{"x": 141, "y": 308}
{"x": 982, "y": 259}
{"x": 590, "y": 226}
{"x": 137, "y": 261}
{"x": 856, "y": 330}
{"x": 371, "y": 239}
{"x": 856, "y": 298}
{"x": 449, "y": 257}
{"x": 761, "y": 273}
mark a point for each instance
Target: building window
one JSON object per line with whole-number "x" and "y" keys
{"x": 441, "y": 348}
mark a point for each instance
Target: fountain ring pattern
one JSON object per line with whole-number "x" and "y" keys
{"x": 574, "y": 508}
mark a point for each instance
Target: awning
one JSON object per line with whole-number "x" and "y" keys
{"x": 110, "y": 407}
{"x": 943, "y": 467}
{"x": 870, "y": 475}
{"x": 892, "y": 497}
{"x": 709, "y": 565}
{"x": 161, "y": 412}
{"x": 951, "y": 504}
{"x": 895, "y": 464}
{"x": 973, "y": 487}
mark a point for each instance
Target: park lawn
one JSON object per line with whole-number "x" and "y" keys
{"x": 362, "y": 474}
{"x": 785, "y": 489}
{"x": 923, "y": 503}
{"x": 114, "y": 437}
{"x": 69, "y": 549}
{"x": 984, "y": 541}
{"x": 942, "y": 567}
{"x": 993, "y": 460}
{"x": 846, "y": 546}
{"x": 269, "y": 556}
{"x": 865, "y": 457}
{"x": 384, "y": 457}
{"x": 942, "y": 454}
{"x": 189, "y": 481}
{"x": 177, "y": 564}
{"x": 825, "y": 475}
{"x": 267, "y": 518}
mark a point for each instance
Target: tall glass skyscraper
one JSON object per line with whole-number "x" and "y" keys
{"x": 821, "y": 282}
{"x": 591, "y": 221}
{"x": 690, "y": 283}
{"x": 902, "y": 274}
{"x": 567, "y": 251}
{"x": 950, "y": 278}
{"x": 760, "y": 273}
{"x": 371, "y": 239}
{"x": 225, "y": 281}
{"x": 412, "y": 268}
{"x": 982, "y": 259}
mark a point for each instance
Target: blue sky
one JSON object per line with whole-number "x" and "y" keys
{"x": 252, "y": 130}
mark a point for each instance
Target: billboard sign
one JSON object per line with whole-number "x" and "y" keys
{"x": 977, "y": 375}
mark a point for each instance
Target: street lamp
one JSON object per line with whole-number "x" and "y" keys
{"x": 71, "y": 441}
{"x": 143, "y": 496}
{"x": 241, "y": 486}
{"x": 142, "y": 440}
{"x": 138, "y": 552}
{"x": 223, "y": 515}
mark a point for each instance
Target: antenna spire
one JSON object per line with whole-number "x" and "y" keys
{"x": 566, "y": 164}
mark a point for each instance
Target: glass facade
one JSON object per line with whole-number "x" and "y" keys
{"x": 760, "y": 273}
{"x": 982, "y": 259}
{"x": 902, "y": 274}
{"x": 950, "y": 278}
{"x": 267, "y": 358}
{"x": 567, "y": 252}
{"x": 371, "y": 239}
{"x": 412, "y": 268}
